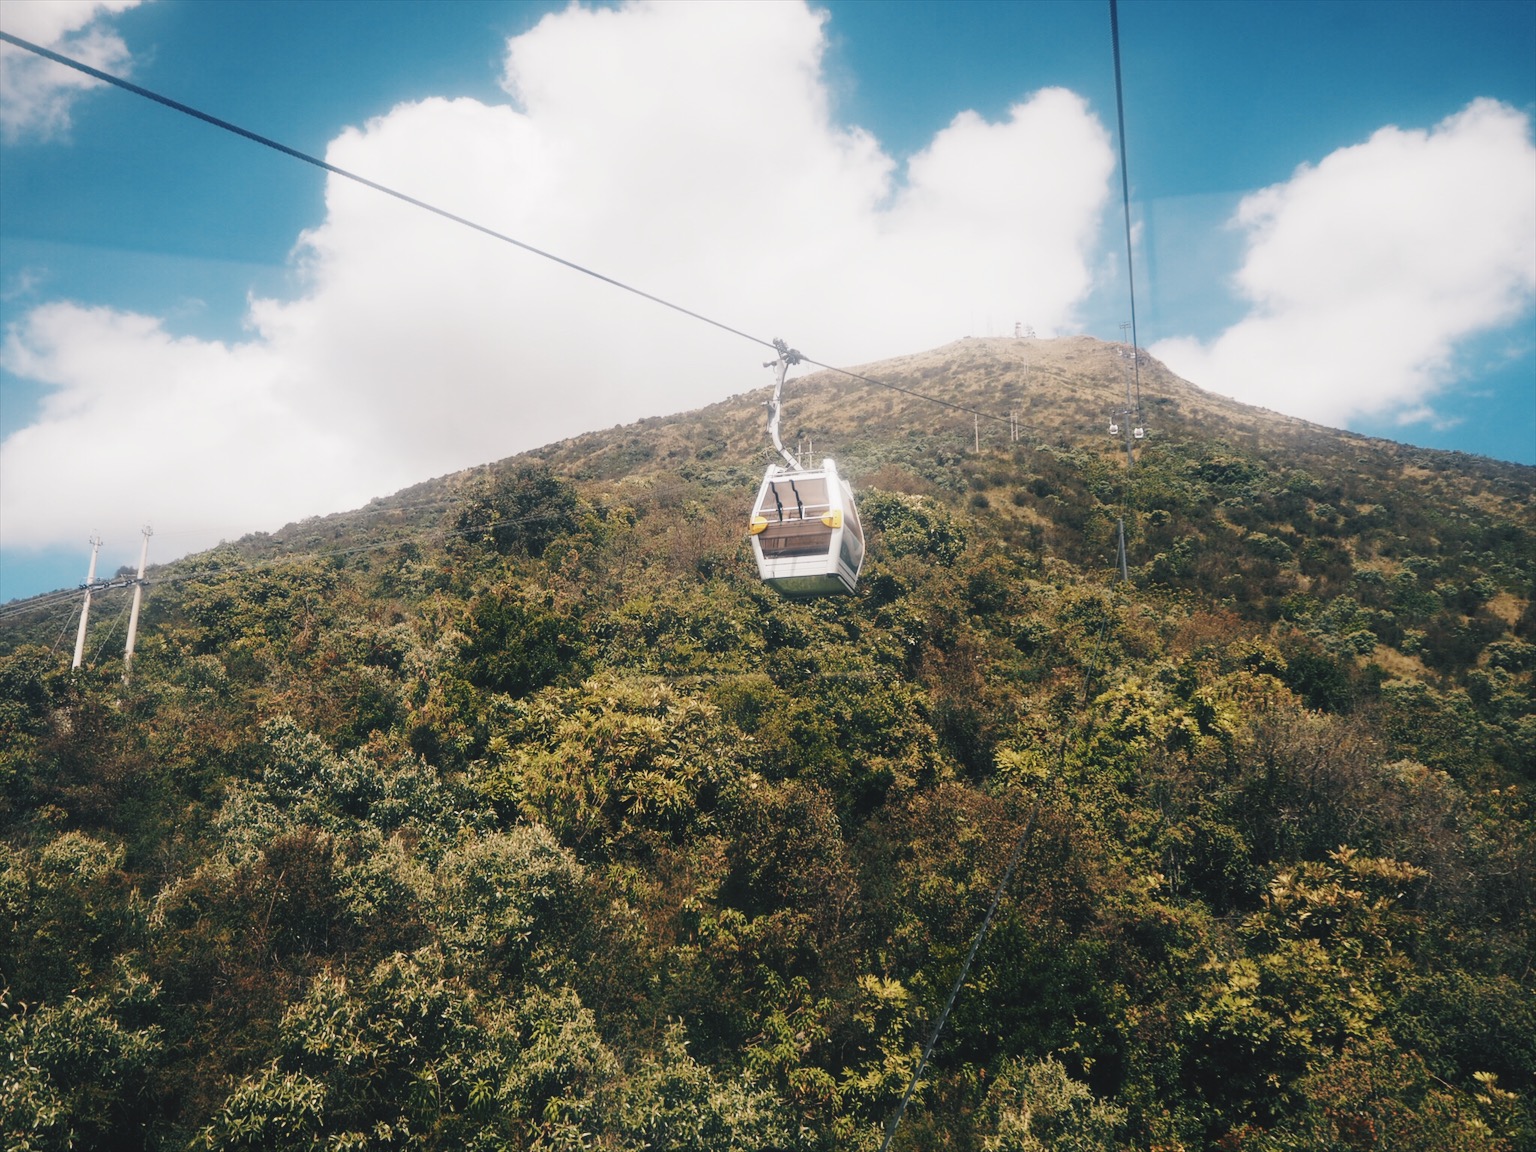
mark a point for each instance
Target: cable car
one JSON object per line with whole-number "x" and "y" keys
{"x": 805, "y": 526}
{"x": 806, "y": 533}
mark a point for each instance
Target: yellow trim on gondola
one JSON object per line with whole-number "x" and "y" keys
{"x": 833, "y": 519}
{"x": 758, "y": 524}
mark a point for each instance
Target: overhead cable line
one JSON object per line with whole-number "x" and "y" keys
{"x": 37, "y": 603}
{"x": 965, "y": 968}
{"x": 1125, "y": 191}
{"x": 442, "y": 535}
{"x": 69, "y": 618}
{"x": 47, "y": 600}
{"x": 50, "y": 599}
{"x": 307, "y": 158}
{"x": 1018, "y": 848}
{"x": 102, "y": 647}
{"x": 40, "y": 603}
{"x": 267, "y": 141}
{"x": 1133, "y": 409}
{"x": 907, "y": 391}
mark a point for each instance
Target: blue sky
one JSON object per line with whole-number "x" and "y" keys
{"x": 204, "y": 334}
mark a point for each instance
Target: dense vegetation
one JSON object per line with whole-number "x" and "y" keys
{"x": 513, "y": 813}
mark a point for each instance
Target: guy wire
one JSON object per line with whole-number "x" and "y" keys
{"x": 112, "y": 630}
{"x": 69, "y": 618}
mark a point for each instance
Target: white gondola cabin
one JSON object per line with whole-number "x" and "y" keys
{"x": 806, "y": 533}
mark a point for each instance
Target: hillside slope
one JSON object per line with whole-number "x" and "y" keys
{"x": 510, "y": 811}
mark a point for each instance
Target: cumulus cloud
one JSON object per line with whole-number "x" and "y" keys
{"x": 134, "y": 411}
{"x": 1365, "y": 272}
{"x": 36, "y": 94}
{"x": 689, "y": 149}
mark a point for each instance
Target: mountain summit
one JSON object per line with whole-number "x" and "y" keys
{"x": 512, "y": 811}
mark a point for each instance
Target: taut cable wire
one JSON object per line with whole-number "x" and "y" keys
{"x": 326, "y": 166}
{"x": 1125, "y": 193}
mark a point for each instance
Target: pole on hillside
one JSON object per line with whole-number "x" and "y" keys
{"x": 85, "y": 610}
{"x": 138, "y": 599}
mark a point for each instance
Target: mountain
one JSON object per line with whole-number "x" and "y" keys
{"x": 512, "y": 812}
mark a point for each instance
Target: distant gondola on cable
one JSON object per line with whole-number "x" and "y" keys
{"x": 805, "y": 528}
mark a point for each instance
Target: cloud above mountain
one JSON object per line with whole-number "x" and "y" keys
{"x": 695, "y": 151}
{"x": 1366, "y": 271}
{"x": 690, "y": 150}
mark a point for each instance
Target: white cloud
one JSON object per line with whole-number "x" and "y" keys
{"x": 36, "y": 94}
{"x": 1366, "y": 271}
{"x": 140, "y": 425}
{"x": 688, "y": 149}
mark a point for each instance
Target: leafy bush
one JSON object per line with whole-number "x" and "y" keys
{"x": 518, "y": 509}
{"x": 913, "y": 526}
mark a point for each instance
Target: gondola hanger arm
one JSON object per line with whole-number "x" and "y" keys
{"x": 787, "y": 356}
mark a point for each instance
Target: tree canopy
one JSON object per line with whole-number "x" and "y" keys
{"x": 514, "y": 813}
